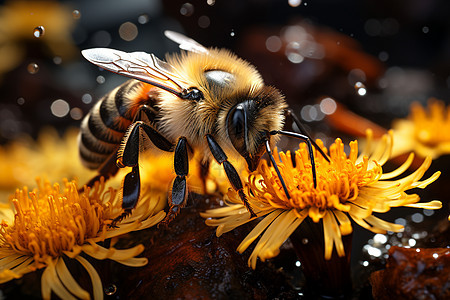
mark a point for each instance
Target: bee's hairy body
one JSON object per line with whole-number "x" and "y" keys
{"x": 224, "y": 81}
{"x": 207, "y": 100}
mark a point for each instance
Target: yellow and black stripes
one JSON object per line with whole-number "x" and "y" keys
{"x": 103, "y": 129}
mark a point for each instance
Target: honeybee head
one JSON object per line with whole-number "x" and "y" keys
{"x": 249, "y": 122}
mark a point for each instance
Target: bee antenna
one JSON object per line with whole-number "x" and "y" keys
{"x": 303, "y": 130}
{"x": 269, "y": 152}
{"x": 308, "y": 143}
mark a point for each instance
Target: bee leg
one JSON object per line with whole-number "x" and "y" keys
{"x": 178, "y": 196}
{"x": 290, "y": 114}
{"x": 128, "y": 156}
{"x": 231, "y": 172}
{"x": 130, "y": 194}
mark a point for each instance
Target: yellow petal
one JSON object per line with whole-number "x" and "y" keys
{"x": 68, "y": 281}
{"x": 95, "y": 279}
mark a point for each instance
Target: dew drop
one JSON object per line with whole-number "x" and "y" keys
{"x": 100, "y": 79}
{"x": 187, "y": 9}
{"x": 294, "y": 3}
{"x": 425, "y": 29}
{"x": 211, "y": 2}
{"x": 57, "y": 60}
{"x": 128, "y": 31}
{"x": 86, "y": 98}
{"x": 232, "y": 33}
{"x": 204, "y": 21}
{"x": 38, "y": 31}
{"x": 143, "y": 19}
{"x": 305, "y": 241}
{"x": 21, "y": 101}
{"x": 360, "y": 88}
{"x": 111, "y": 289}
{"x": 273, "y": 43}
{"x": 32, "y": 68}
{"x": 76, "y": 14}
{"x": 76, "y": 113}
{"x": 60, "y": 108}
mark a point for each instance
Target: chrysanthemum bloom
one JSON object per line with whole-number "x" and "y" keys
{"x": 50, "y": 156}
{"x": 348, "y": 187}
{"x": 426, "y": 131}
{"x": 54, "y": 222}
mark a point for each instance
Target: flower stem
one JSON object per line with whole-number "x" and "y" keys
{"x": 328, "y": 279}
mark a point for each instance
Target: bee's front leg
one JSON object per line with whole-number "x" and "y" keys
{"x": 231, "y": 172}
{"x": 178, "y": 196}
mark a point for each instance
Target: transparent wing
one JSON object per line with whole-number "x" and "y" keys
{"x": 185, "y": 42}
{"x": 138, "y": 65}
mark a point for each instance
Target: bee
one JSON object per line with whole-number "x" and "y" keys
{"x": 205, "y": 99}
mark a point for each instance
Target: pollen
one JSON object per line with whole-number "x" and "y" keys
{"x": 338, "y": 181}
{"x": 52, "y": 219}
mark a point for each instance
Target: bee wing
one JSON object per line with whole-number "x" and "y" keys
{"x": 138, "y": 65}
{"x": 185, "y": 42}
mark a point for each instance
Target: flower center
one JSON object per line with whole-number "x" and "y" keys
{"x": 432, "y": 126}
{"x": 49, "y": 221}
{"x": 339, "y": 180}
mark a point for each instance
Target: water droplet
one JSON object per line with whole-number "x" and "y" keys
{"x": 417, "y": 218}
{"x": 38, "y": 31}
{"x": 412, "y": 242}
{"x": 294, "y": 3}
{"x": 428, "y": 212}
{"x": 360, "y": 88}
{"x": 128, "y": 31}
{"x": 365, "y": 263}
{"x": 32, "y": 68}
{"x": 328, "y": 106}
{"x": 57, "y": 60}
{"x": 273, "y": 43}
{"x": 298, "y": 263}
{"x": 293, "y": 53}
{"x": 232, "y": 33}
{"x": 76, "y": 113}
{"x": 143, "y": 19}
{"x": 383, "y": 56}
{"x": 305, "y": 241}
{"x": 86, "y": 98}
{"x": 60, "y": 108}
{"x": 76, "y": 14}
{"x": 211, "y": 2}
{"x": 111, "y": 289}
{"x": 425, "y": 29}
{"x": 187, "y": 9}
{"x": 21, "y": 101}
{"x": 435, "y": 255}
{"x": 204, "y": 22}
{"x": 101, "y": 38}
{"x": 100, "y": 79}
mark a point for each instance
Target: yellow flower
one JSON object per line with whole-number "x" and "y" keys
{"x": 425, "y": 131}
{"x": 348, "y": 186}
{"x": 53, "y": 223}
{"x": 51, "y": 157}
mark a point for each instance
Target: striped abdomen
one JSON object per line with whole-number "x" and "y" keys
{"x": 103, "y": 128}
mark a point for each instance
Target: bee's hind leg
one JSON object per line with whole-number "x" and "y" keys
{"x": 178, "y": 196}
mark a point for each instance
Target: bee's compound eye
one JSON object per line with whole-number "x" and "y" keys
{"x": 236, "y": 121}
